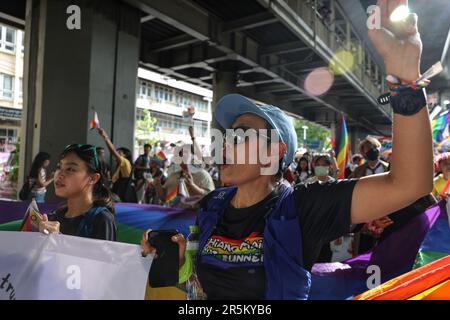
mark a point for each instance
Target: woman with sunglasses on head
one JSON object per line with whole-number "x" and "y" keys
{"x": 89, "y": 211}
{"x": 259, "y": 239}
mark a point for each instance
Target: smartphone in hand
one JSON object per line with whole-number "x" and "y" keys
{"x": 164, "y": 269}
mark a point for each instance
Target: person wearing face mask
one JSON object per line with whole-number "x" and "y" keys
{"x": 370, "y": 149}
{"x": 322, "y": 166}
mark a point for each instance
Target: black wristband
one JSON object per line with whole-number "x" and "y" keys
{"x": 408, "y": 101}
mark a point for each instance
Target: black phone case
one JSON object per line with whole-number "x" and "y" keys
{"x": 164, "y": 269}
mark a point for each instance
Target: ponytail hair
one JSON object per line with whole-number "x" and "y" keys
{"x": 103, "y": 196}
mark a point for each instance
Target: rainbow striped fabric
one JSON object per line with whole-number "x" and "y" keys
{"x": 442, "y": 146}
{"x": 328, "y": 144}
{"x": 161, "y": 156}
{"x": 173, "y": 197}
{"x": 439, "y": 125}
{"x": 131, "y": 219}
{"x": 437, "y": 242}
{"x": 342, "y": 147}
{"x": 430, "y": 282}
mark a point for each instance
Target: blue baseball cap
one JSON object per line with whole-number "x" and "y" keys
{"x": 234, "y": 105}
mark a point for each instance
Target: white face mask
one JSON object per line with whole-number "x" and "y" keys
{"x": 321, "y": 171}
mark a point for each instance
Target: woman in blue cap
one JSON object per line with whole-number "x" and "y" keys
{"x": 259, "y": 239}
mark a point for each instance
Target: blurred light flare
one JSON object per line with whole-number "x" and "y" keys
{"x": 319, "y": 81}
{"x": 400, "y": 13}
{"x": 342, "y": 62}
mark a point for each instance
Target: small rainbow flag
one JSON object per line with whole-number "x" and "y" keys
{"x": 329, "y": 143}
{"x": 32, "y": 218}
{"x": 439, "y": 125}
{"x": 161, "y": 156}
{"x": 95, "y": 123}
{"x": 172, "y": 198}
{"x": 342, "y": 148}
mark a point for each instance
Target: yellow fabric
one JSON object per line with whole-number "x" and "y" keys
{"x": 123, "y": 170}
{"x": 166, "y": 293}
{"x": 439, "y": 184}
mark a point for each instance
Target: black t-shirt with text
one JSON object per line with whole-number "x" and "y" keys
{"x": 231, "y": 265}
{"x": 104, "y": 225}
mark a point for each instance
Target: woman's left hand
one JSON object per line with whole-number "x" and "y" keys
{"x": 398, "y": 43}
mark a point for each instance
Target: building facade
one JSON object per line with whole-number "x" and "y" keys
{"x": 168, "y": 100}
{"x": 11, "y": 90}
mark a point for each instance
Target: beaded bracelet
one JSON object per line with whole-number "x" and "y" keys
{"x": 397, "y": 85}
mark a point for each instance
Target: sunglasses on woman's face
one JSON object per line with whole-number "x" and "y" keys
{"x": 84, "y": 148}
{"x": 240, "y": 135}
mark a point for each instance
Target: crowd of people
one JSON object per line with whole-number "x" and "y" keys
{"x": 259, "y": 235}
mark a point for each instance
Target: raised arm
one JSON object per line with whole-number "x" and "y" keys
{"x": 411, "y": 177}
{"x": 110, "y": 145}
{"x": 197, "y": 151}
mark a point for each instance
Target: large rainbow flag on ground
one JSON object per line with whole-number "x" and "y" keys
{"x": 342, "y": 147}
{"x": 439, "y": 125}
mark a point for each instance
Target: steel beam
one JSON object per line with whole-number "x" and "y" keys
{"x": 172, "y": 43}
{"x": 294, "y": 46}
{"x": 250, "y": 22}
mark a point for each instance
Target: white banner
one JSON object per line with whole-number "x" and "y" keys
{"x": 37, "y": 266}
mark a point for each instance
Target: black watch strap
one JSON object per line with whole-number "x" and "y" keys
{"x": 408, "y": 101}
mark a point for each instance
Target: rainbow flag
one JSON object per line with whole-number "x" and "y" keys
{"x": 386, "y": 148}
{"x": 31, "y": 218}
{"x": 173, "y": 197}
{"x": 437, "y": 242}
{"x": 439, "y": 125}
{"x": 131, "y": 219}
{"x": 415, "y": 285}
{"x": 442, "y": 146}
{"x": 342, "y": 148}
{"x": 160, "y": 156}
{"x": 95, "y": 123}
{"x": 329, "y": 143}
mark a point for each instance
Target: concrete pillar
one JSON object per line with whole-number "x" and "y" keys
{"x": 354, "y": 141}
{"x": 70, "y": 73}
{"x": 224, "y": 82}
